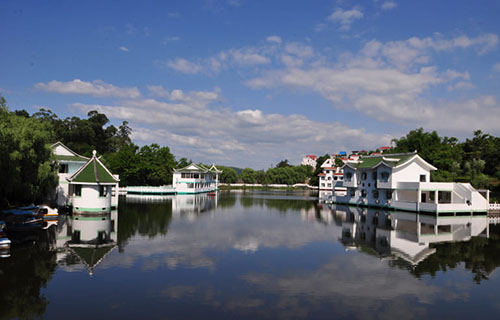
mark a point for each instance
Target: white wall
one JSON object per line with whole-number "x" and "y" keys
{"x": 60, "y": 150}
{"x": 90, "y": 228}
{"x": 90, "y": 200}
{"x": 409, "y": 173}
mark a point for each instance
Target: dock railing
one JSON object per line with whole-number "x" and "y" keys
{"x": 494, "y": 207}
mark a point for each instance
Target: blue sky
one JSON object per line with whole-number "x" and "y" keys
{"x": 249, "y": 83}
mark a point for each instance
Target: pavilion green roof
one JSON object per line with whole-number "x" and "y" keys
{"x": 93, "y": 172}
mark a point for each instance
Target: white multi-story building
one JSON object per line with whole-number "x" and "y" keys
{"x": 309, "y": 160}
{"x": 69, "y": 162}
{"x": 402, "y": 182}
{"x": 196, "y": 179}
{"x": 331, "y": 175}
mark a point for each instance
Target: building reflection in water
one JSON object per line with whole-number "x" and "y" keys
{"x": 187, "y": 206}
{"x": 396, "y": 234}
{"x": 89, "y": 237}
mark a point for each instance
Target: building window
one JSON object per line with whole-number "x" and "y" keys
{"x": 348, "y": 176}
{"x": 63, "y": 168}
{"x": 363, "y": 176}
{"x": 102, "y": 191}
{"x": 423, "y": 178}
{"x": 363, "y": 193}
{"x": 388, "y": 195}
{"x": 375, "y": 194}
{"x": 384, "y": 176}
{"x": 78, "y": 190}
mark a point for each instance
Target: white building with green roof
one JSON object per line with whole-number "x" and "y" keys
{"x": 402, "y": 182}
{"x": 196, "y": 179}
{"x": 91, "y": 187}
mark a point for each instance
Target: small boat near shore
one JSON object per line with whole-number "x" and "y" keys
{"x": 23, "y": 219}
{"x": 48, "y": 213}
{"x": 4, "y": 242}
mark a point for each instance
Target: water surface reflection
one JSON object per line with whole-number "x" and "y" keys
{"x": 251, "y": 254}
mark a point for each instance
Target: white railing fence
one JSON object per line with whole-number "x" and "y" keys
{"x": 494, "y": 206}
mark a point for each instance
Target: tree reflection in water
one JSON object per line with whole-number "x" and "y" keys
{"x": 29, "y": 268}
{"x": 143, "y": 218}
{"x": 479, "y": 256}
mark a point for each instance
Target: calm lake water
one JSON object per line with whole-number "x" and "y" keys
{"x": 253, "y": 254}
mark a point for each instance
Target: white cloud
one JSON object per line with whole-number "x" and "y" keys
{"x": 96, "y": 88}
{"x": 345, "y": 17}
{"x": 461, "y": 85}
{"x": 244, "y": 57}
{"x": 496, "y": 67}
{"x": 299, "y": 50}
{"x": 192, "y": 97}
{"x": 248, "y": 58}
{"x": 388, "y": 5}
{"x": 275, "y": 39}
{"x": 124, "y": 49}
{"x": 184, "y": 66}
{"x": 408, "y": 53}
{"x": 189, "y": 124}
{"x": 390, "y": 81}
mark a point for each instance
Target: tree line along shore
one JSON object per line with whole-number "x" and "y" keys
{"x": 29, "y": 170}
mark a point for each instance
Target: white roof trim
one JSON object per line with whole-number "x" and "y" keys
{"x": 71, "y": 151}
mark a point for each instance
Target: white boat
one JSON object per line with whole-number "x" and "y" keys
{"x": 4, "y": 241}
{"x": 48, "y": 212}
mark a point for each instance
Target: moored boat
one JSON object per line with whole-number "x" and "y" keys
{"x": 48, "y": 213}
{"x": 23, "y": 219}
{"x": 4, "y": 242}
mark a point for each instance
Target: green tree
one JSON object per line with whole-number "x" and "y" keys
{"x": 27, "y": 167}
{"x": 125, "y": 162}
{"x": 283, "y": 164}
{"x": 228, "y": 175}
{"x": 314, "y": 181}
{"x": 339, "y": 163}
{"x": 442, "y": 152}
{"x": 183, "y": 162}
{"x": 248, "y": 175}
{"x": 150, "y": 165}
